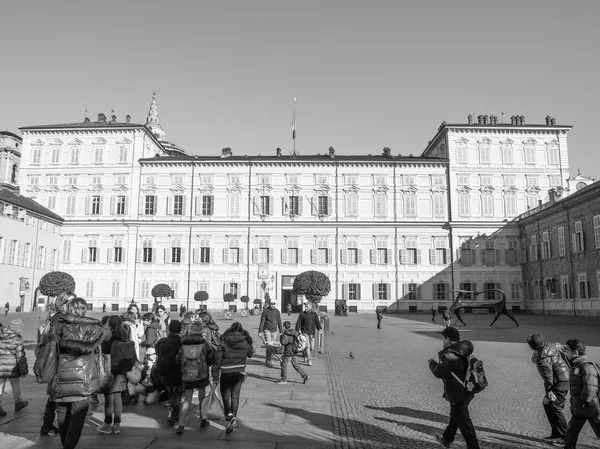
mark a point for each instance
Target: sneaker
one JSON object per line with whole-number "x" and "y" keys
{"x": 440, "y": 439}
{"x": 269, "y": 365}
{"x": 180, "y": 430}
{"x": 560, "y": 442}
{"x": 94, "y": 399}
{"x": 105, "y": 429}
{"x": 2, "y": 412}
{"x": 116, "y": 428}
{"x": 49, "y": 433}
{"x": 309, "y": 363}
{"x": 282, "y": 382}
{"x": 551, "y": 437}
{"x": 305, "y": 379}
{"x": 204, "y": 423}
{"x": 20, "y": 405}
{"x": 171, "y": 420}
{"x": 232, "y": 424}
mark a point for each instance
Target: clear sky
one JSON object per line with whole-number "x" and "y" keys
{"x": 366, "y": 74}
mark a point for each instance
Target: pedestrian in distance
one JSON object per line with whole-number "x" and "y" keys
{"x": 308, "y": 323}
{"x": 379, "y": 314}
{"x": 13, "y": 366}
{"x": 229, "y": 369}
{"x": 554, "y": 371}
{"x": 196, "y": 355}
{"x": 433, "y": 313}
{"x": 169, "y": 370}
{"x": 288, "y": 309}
{"x": 447, "y": 318}
{"x": 288, "y": 338}
{"x": 6, "y": 308}
{"x": 270, "y": 328}
{"x": 583, "y": 385}
{"x": 451, "y": 366}
{"x": 104, "y": 308}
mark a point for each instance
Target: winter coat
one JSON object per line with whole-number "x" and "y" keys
{"x": 195, "y": 339}
{"x": 379, "y": 313}
{"x": 12, "y": 354}
{"x": 232, "y": 352}
{"x": 78, "y": 337}
{"x": 308, "y": 322}
{"x": 453, "y": 359}
{"x": 270, "y": 320}
{"x": 166, "y": 353}
{"x": 583, "y": 382}
{"x": 287, "y": 342}
{"x": 151, "y": 335}
{"x": 552, "y": 367}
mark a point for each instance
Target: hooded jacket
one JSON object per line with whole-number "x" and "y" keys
{"x": 151, "y": 335}
{"x": 232, "y": 352}
{"x": 166, "y": 364}
{"x": 552, "y": 367}
{"x": 287, "y": 342}
{"x": 308, "y": 322}
{"x": 195, "y": 339}
{"x": 12, "y": 354}
{"x": 453, "y": 359}
{"x": 584, "y": 381}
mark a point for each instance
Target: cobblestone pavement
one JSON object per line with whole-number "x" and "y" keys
{"x": 386, "y": 397}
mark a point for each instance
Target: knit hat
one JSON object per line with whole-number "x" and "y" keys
{"x": 536, "y": 341}
{"x": 451, "y": 333}
{"x": 175, "y": 327}
{"x": 196, "y": 328}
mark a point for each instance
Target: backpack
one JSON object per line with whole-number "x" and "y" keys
{"x": 45, "y": 366}
{"x": 193, "y": 363}
{"x": 122, "y": 356}
{"x": 475, "y": 378}
{"x": 300, "y": 343}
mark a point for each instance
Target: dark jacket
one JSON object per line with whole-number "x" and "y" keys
{"x": 151, "y": 335}
{"x": 78, "y": 337}
{"x": 379, "y": 313}
{"x": 232, "y": 352}
{"x": 307, "y": 323}
{"x": 12, "y": 354}
{"x": 166, "y": 365}
{"x": 270, "y": 320}
{"x": 583, "y": 381}
{"x": 194, "y": 339}
{"x": 453, "y": 359}
{"x": 552, "y": 367}
{"x": 287, "y": 342}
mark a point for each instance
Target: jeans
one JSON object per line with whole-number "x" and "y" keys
{"x": 71, "y": 418}
{"x": 231, "y": 386}
{"x": 555, "y": 415}
{"x": 113, "y": 406}
{"x": 15, "y": 383}
{"x": 49, "y": 415}
{"x": 460, "y": 419}
{"x": 174, "y": 400}
{"x": 575, "y": 425}
{"x": 379, "y": 322}
{"x": 309, "y": 348}
{"x": 285, "y": 361}
{"x": 186, "y": 406}
{"x": 269, "y": 337}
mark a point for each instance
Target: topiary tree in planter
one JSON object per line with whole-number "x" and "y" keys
{"x": 54, "y": 283}
{"x": 245, "y": 299}
{"x": 201, "y": 296}
{"x": 228, "y": 298}
{"x": 313, "y": 285}
{"x": 161, "y": 291}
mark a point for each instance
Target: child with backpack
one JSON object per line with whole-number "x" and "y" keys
{"x": 293, "y": 343}
{"x": 195, "y": 356}
{"x": 123, "y": 357}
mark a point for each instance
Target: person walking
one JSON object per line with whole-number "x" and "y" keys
{"x": 196, "y": 355}
{"x": 452, "y": 365}
{"x": 103, "y": 307}
{"x": 6, "y": 308}
{"x": 433, "y": 313}
{"x": 288, "y": 309}
{"x": 554, "y": 371}
{"x": 583, "y": 386}
{"x": 229, "y": 369}
{"x": 13, "y": 366}
{"x": 447, "y": 318}
{"x": 169, "y": 370}
{"x": 270, "y": 324}
{"x": 308, "y": 323}
{"x": 288, "y": 338}
{"x": 379, "y": 313}
{"x": 77, "y": 376}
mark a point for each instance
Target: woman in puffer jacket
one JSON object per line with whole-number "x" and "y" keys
{"x": 77, "y": 376}
{"x": 13, "y": 366}
{"x": 234, "y": 348}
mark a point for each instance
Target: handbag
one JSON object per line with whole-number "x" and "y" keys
{"x": 105, "y": 376}
{"x": 135, "y": 375}
{"x": 212, "y": 405}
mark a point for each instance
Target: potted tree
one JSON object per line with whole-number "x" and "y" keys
{"x": 245, "y": 299}
{"x": 160, "y": 291}
{"x": 313, "y": 285}
{"x": 53, "y": 284}
{"x": 229, "y": 298}
{"x": 201, "y": 297}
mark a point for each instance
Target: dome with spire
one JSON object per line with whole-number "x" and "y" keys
{"x": 153, "y": 125}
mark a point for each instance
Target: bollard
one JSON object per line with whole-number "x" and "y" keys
{"x": 325, "y": 323}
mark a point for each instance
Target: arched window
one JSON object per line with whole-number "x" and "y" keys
{"x": 13, "y": 176}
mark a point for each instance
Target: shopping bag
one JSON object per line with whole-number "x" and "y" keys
{"x": 212, "y": 405}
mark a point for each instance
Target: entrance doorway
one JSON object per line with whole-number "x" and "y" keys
{"x": 289, "y": 297}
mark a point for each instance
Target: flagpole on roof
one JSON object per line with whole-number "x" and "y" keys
{"x": 294, "y": 128}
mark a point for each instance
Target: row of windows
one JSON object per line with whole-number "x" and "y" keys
{"x": 18, "y": 213}
{"x": 17, "y": 253}
{"x": 564, "y": 289}
{"x": 465, "y": 179}
{"x": 506, "y": 153}
{"x": 73, "y": 180}
{"x": 55, "y": 155}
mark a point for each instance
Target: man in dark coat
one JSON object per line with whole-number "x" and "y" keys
{"x": 553, "y": 369}
{"x": 270, "y": 323}
{"x": 308, "y": 323}
{"x": 452, "y": 365}
{"x": 169, "y": 370}
{"x": 583, "y": 380}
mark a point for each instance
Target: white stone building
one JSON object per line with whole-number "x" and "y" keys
{"x": 397, "y": 231}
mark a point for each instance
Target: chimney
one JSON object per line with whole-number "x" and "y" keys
{"x": 226, "y": 152}
{"x": 551, "y": 196}
{"x": 521, "y": 120}
{"x": 387, "y": 152}
{"x": 553, "y": 121}
{"x": 331, "y": 152}
{"x": 127, "y": 118}
{"x": 470, "y": 119}
{"x": 278, "y": 152}
{"x": 485, "y": 119}
{"x": 513, "y": 119}
{"x": 101, "y": 117}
